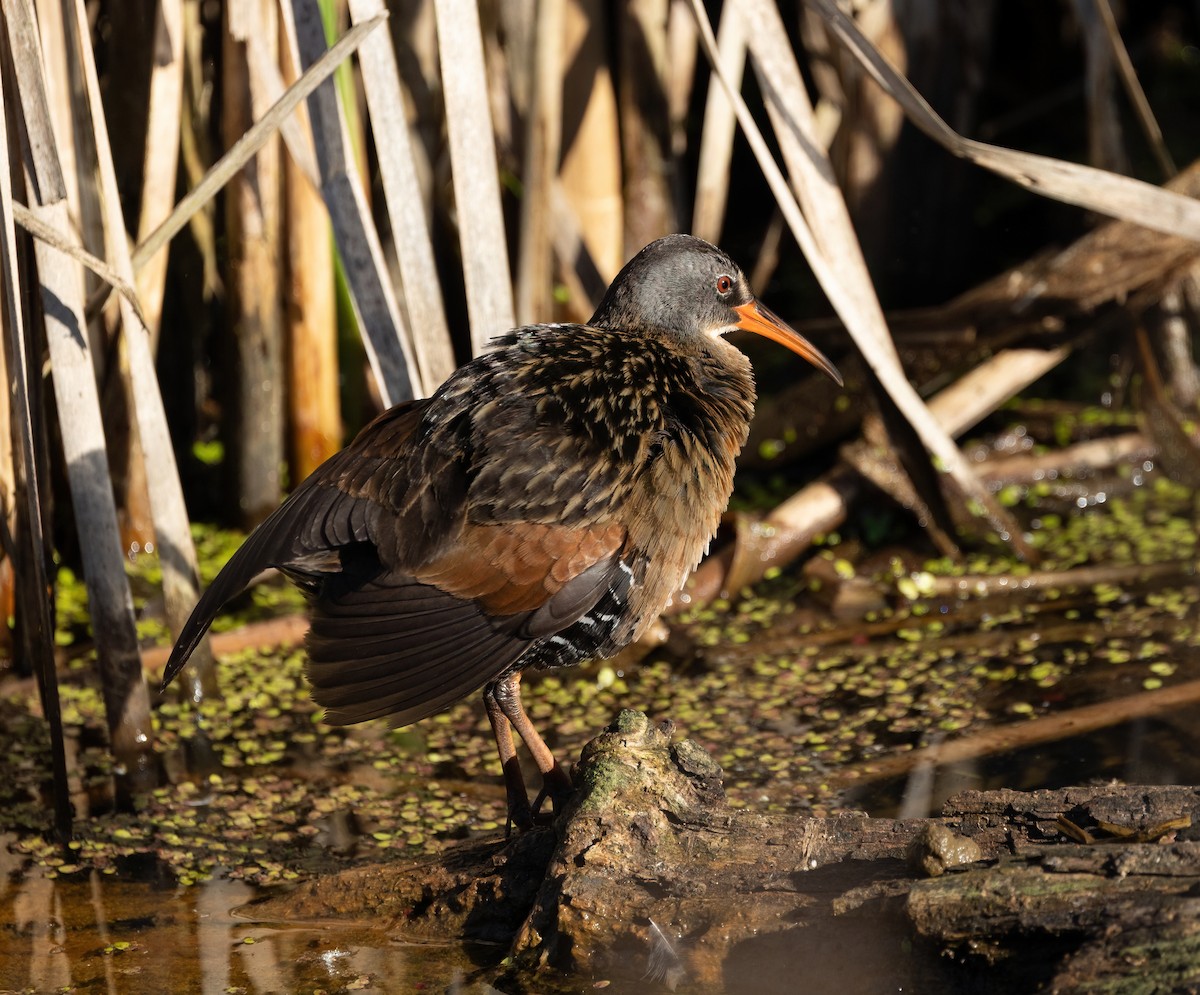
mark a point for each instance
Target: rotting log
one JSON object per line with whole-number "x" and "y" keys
{"x": 648, "y": 874}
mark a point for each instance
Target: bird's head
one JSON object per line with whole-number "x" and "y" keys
{"x": 684, "y": 285}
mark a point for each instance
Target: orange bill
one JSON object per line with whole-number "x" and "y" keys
{"x": 762, "y": 321}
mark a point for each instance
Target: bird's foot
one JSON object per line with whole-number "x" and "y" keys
{"x": 556, "y": 785}
{"x": 520, "y": 816}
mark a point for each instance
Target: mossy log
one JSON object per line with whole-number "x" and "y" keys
{"x": 648, "y": 874}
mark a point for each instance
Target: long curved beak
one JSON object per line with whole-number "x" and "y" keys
{"x": 754, "y": 317}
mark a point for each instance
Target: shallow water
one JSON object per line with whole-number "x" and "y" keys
{"x": 100, "y": 933}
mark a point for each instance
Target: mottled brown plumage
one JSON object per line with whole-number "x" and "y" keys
{"x": 538, "y": 510}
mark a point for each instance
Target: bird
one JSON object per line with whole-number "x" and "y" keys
{"x": 538, "y": 510}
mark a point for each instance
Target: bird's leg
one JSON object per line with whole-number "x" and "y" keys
{"x": 520, "y": 813}
{"x": 556, "y": 783}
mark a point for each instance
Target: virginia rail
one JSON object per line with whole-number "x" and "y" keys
{"x": 538, "y": 510}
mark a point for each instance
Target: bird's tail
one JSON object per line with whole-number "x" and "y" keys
{"x": 267, "y": 546}
{"x": 229, "y": 583}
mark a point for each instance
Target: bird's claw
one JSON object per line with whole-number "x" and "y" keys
{"x": 556, "y": 786}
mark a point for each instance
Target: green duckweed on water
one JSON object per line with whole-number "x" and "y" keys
{"x": 258, "y": 788}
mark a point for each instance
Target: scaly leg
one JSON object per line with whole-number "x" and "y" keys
{"x": 520, "y": 813}
{"x": 556, "y": 783}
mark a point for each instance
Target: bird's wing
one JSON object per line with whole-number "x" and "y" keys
{"x": 404, "y": 646}
{"x": 412, "y": 606}
{"x": 303, "y": 534}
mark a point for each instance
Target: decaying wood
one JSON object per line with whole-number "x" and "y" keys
{"x": 648, "y": 874}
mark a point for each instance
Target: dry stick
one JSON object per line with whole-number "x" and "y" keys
{"x": 385, "y": 335}
{"x": 579, "y": 270}
{"x": 1021, "y": 735}
{"x": 680, "y": 76}
{"x": 74, "y": 154}
{"x": 803, "y": 147}
{"x": 177, "y": 554}
{"x": 263, "y": 58}
{"x": 36, "y": 582}
{"x": 402, "y": 194}
{"x": 1081, "y": 458}
{"x": 649, "y": 204}
{"x": 161, "y": 160}
{"x": 980, "y": 391}
{"x": 1133, "y": 89}
{"x": 988, "y": 585}
{"x": 195, "y": 151}
{"x": 1112, "y": 263}
{"x": 717, "y": 131}
{"x": 126, "y": 699}
{"x": 830, "y": 245}
{"x": 63, "y": 243}
{"x": 543, "y": 143}
{"x": 1115, "y": 262}
{"x": 285, "y": 631}
{"x": 828, "y": 120}
{"x": 1093, "y": 189}
{"x": 473, "y": 164}
{"x": 8, "y": 486}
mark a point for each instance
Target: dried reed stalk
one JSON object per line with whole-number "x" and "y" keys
{"x": 310, "y": 314}
{"x": 161, "y": 160}
{"x": 827, "y": 238}
{"x": 717, "y": 131}
{"x": 650, "y": 209}
{"x": 473, "y": 162}
{"x": 402, "y": 193}
{"x": 543, "y": 141}
{"x": 1094, "y": 189}
{"x": 254, "y": 438}
{"x": 28, "y": 546}
{"x": 177, "y": 553}
{"x": 385, "y": 337}
{"x": 591, "y": 158}
{"x": 127, "y": 701}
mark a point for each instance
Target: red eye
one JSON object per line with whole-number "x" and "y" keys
{"x": 724, "y": 284}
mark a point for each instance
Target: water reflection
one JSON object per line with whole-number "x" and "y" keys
{"x": 96, "y": 932}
